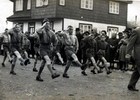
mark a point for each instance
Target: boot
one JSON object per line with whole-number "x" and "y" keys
{"x": 38, "y": 78}
{"x": 84, "y": 73}
{"x": 12, "y": 72}
{"x": 65, "y": 76}
{"x": 3, "y": 65}
{"x": 93, "y": 71}
{"x": 35, "y": 70}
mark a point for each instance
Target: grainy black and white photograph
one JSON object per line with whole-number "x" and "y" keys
{"x": 69, "y": 49}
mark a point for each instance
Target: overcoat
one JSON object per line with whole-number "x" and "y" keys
{"x": 134, "y": 43}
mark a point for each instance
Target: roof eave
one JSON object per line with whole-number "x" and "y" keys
{"x": 12, "y": 0}
{"x": 126, "y": 1}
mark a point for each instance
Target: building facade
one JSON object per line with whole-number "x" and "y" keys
{"x": 109, "y": 15}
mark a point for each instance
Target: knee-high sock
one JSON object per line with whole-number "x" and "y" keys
{"x": 5, "y": 56}
{"x": 41, "y": 67}
{"x": 13, "y": 63}
{"x": 67, "y": 66}
{"x": 35, "y": 62}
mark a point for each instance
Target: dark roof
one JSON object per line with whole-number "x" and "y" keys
{"x": 19, "y": 16}
{"x": 12, "y": 0}
{"x": 125, "y": 1}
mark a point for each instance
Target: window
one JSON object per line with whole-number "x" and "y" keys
{"x": 40, "y": 3}
{"x": 85, "y": 27}
{"x": 113, "y": 7}
{"x": 62, "y": 2}
{"x": 87, "y": 4}
{"x": 111, "y": 30}
{"x": 31, "y": 27}
{"x": 29, "y": 4}
{"x": 19, "y": 5}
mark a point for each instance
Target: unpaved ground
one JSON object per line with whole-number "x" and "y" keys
{"x": 23, "y": 86}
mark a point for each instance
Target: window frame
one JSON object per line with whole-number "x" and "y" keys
{"x": 62, "y": 4}
{"x": 42, "y": 4}
{"x": 85, "y": 24}
{"x": 115, "y": 9}
{"x": 17, "y": 5}
{"x": 30, "y": 24}
{"x": 110, "y": 32}
{"x": 29, "y": 4}
{"x": 83, "y": 6}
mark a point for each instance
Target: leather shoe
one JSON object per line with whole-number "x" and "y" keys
{"x": 93, "y": 71}
{"x": 3, "y": 65}
{"x": 84, "y": 73}
{"x": 65, "y": 76}
{"x": 26, "y": 62}
{"x": 35, "y": 70}
{"x": 53, "y": 68}
{"x": 83, "y": 66}
{"x": 55, "y": 76}
{"x": 12, "y": 72}
{"x": 38, "y": 78}
{"x": 132, "y": 88}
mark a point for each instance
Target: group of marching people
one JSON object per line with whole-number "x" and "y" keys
{"x": 90, "y": 50}
{"x": 15, "y": 44}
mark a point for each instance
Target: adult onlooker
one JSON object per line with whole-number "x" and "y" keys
{"x": 134, "y": 43}
{"x": 103, "y": 32}
{"x": 111, "y": 52}
{"x": 122, "y": 51}
{"x": 120, "y": 36}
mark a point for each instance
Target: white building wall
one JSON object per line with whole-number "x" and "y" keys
{"x": 38, "y": 24}
{"x": 99, "y": 26}
{"x": 57, "y": 25}
{"x": 25, "y": 27}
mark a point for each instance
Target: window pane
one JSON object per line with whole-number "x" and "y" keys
{"x": 45, "y": 2}
{"x": 38, "y": 3}
{"x": 31, "y": 27}
{"x": 29, "y": 4}
{"x": 61, "y": 2}
{"x": 41, "y": 3}
{"x": 82, "y": 3}
{"x": 113, "y": 7}
{"x": 19, "y": 5}
{"x": 85, "y": 27}
{"x": 87, "y": 4}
